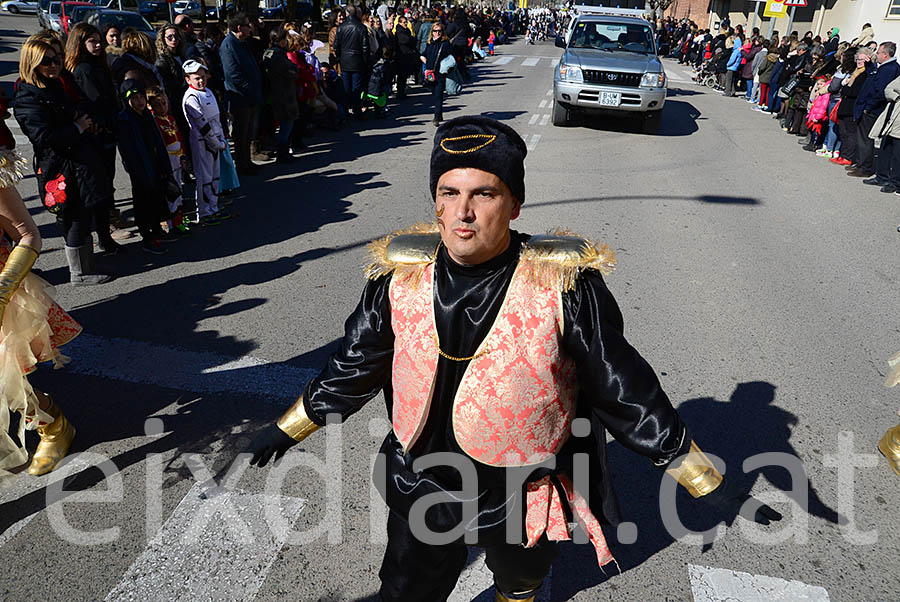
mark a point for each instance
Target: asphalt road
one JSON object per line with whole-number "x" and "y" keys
{"x": 756, "y": 278}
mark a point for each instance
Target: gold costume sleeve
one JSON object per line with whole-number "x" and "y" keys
{"x": 295, "y": 422}
{"x": 695, "y": 472}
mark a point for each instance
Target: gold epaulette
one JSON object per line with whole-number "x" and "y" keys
{"x": 555, "y": 259}
{"x": 11, "y": 166}
{"x": 403, "y": 253}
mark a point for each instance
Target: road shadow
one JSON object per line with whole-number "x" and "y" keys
{"x": 701, "y": 198}
{"x": 679, "y": 118}
{"x": 747, "y": 424}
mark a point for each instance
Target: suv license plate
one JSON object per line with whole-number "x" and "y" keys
{"x": 610, "y": 99}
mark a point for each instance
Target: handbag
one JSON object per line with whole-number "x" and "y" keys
{"x": 228, "y": 178}
{"x": 447, "y": 64}
{"x": 429, "y": 75}
{"x": 833, "y": 116}
{"x": 789, "y": 86}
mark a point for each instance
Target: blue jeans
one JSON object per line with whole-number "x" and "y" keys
{"x": 749, "y": 83}
{"x": 774, "y": 100}
{"x": 284, "y": 133}
{"x": 353, "y": 83}
{"x": 832, "y": 142}
{"x": 437, "y": 95}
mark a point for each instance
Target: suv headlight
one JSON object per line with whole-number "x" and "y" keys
{"x": 653, "y": 80}
{"x": 571, "y": 73}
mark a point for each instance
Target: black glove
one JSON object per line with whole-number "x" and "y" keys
{"x": 272, "y": 440}
{"x": 728, "y": 499}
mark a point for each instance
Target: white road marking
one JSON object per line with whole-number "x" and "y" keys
{"x": 550, "y": 92}
{"x": 675, "y": 78}
{"x": 720, "y": 585}
{"x": 543, "y": 104}
{"x": 533, "y": 142}
{"x": 531, "y": 61}
{"x": 534, "y": 119}
{"x": 554, "y": 62}
{"x": 545, "y": 119}
{"x": 504, "y": 59}
{"x": 476, "y": 584}
{"x": 195, "y": 371}
{"x": 198, "y": 554}
{"x": 13, "y": 530}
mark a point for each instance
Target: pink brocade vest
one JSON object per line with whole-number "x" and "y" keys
{"x": 516, "y": 401}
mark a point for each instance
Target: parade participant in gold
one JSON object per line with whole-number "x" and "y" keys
{"x": 32, "y": 328}
{"x": 889, "y": 445}
{"x": 494, "y": 347}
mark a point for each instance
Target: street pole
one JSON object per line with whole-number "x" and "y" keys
{"x": 791, "y": 20}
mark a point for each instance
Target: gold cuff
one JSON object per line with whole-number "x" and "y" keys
{"x": 696, "y": 473}
{"x": 296, "y": 423}
{"x": 17, "y": 266}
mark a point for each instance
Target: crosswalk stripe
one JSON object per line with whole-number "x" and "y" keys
{"x": 545, "y": 119}
{"x": 533, "y": 142}
{"x": 712, "y": 585}
{"x": 550, "y": 92}
{"x": 554, "y": 62}
{"x": 534, "y": 119}
{"x": 543, "y": 104}
{"x": 504, "y": 60}
{"x": 187, "y": 558}
{"x": 531, "y": 61}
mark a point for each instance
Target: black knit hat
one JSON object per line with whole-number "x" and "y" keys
{"x": 129, "y": 87}
{"x": 482, "y": 143}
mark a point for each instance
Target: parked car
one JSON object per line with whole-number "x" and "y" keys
{"x": 154, "y": 9}
{"x": 224, "y": 11}
{"x": 187, "y": 7}
{"x": 51, "y": 17}
{"x": 80, "y": 13}
{"x": 122, "y": 19}
{"x": 24, "y": 7}
{"x": 65, "y": 14}
{"x": 304, "y": 11}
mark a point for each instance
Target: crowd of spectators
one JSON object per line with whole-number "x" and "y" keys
{"x": 174, "y": 108}
{"x": 838, "y": 97}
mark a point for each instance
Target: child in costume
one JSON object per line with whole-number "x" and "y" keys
{"x": 207, "y": 142}
{"x": 159, "y": 106}
{"x": 32, "y": 328}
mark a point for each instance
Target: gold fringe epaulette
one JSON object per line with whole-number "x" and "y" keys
{"x": 555, "y": 259}
{"x": 403, "y": 253}
{"x": 11, "y": 166}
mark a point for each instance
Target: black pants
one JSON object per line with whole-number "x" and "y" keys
{"x": 75, "y": 223}
{"x": 413, "y": 572}
{"x": 888, "y": 164}
{"x": 243, "y": 133}
{"x": 437, "y": 95}
{"x": 847, "y": 132}
{"x": 865, "y": 145}
{"x": 149, "y": 210}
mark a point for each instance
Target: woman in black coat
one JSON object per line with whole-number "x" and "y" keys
{"x": 437, "y": 49}
{"x": 847, "y": 127}
{"x": 86, "y": 62}
{"x": 69, "y": 168}
{"x": 405, "y": 54}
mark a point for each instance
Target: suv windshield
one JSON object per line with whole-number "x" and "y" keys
{"x": 124, "y": 20}
{"x": 55, "y": 8}
{"x": 612, "y": 36}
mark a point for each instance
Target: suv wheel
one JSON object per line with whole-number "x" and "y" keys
{"x": 560, "y": 114}
{"x": 651, "y": 121}
{"x": 12, "y": 8}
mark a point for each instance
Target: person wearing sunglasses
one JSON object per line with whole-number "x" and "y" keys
{"x": 436, "y": 50}
{"x": 71, "y": 174}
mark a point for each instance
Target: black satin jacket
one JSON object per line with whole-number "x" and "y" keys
{"x": 619, "y": 391}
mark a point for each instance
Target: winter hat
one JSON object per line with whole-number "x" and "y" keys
{"x": 191, "y": 66}
{"x": 131, "y": 87}
{"x": 482, "y": 143}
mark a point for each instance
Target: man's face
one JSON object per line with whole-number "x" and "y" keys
{"x": 882, "y": 55}
{"x": 243, "y": 31}
{"x": 474, "y": 208}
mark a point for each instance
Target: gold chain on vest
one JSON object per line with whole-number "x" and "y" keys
{"x": 453, "y": 358}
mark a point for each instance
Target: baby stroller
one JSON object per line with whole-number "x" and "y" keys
{"x": 706, "y": 76}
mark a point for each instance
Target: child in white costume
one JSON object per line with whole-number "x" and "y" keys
{"x": 207, "y": 141}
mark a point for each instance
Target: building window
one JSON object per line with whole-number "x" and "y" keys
{"x": 894, "y": 10}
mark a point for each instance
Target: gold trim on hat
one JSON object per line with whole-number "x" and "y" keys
{"x": 488, "y": 139}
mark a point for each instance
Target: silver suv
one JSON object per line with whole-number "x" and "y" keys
{"x": 609, "y": 64}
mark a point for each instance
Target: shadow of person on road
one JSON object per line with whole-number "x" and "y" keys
{"x": 749, "y": 423}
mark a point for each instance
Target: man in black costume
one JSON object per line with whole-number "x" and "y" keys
{"x": 504, "y": 352}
